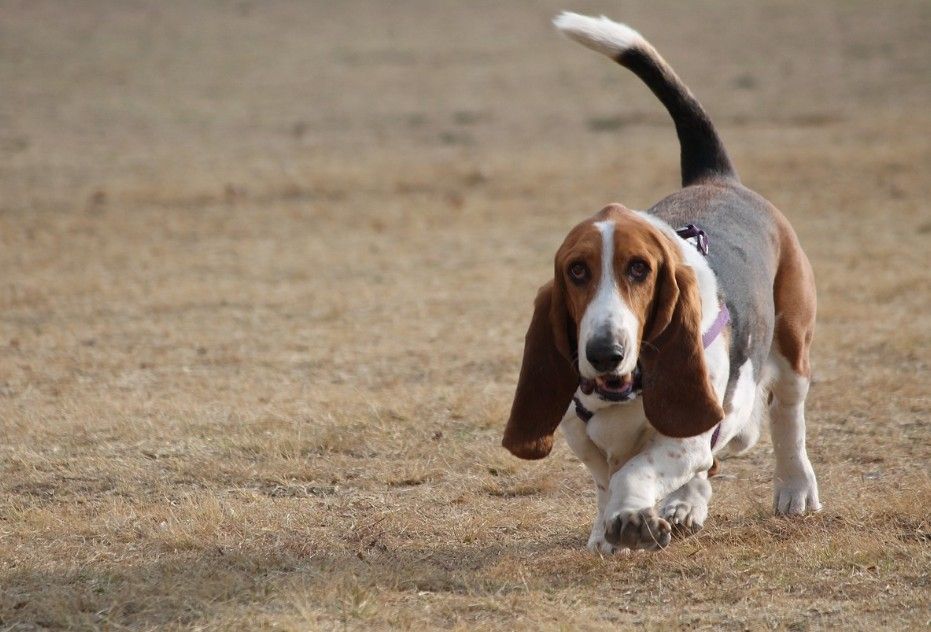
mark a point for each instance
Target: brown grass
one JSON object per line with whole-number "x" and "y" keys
{"x": 265, "y": 271}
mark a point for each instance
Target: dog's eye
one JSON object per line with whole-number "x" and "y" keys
{"x": 578, "y": 272}
{"x": 638, "y": 270}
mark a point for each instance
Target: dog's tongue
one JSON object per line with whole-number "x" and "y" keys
{"x": 614, "y": 383}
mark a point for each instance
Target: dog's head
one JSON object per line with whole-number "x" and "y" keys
{"x": 621, "y": 295}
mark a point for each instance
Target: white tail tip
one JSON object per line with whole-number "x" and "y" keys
{"x": 599, "y": 34}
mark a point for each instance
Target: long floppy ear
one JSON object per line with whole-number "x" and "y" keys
{"x": 547, "y": 379}
{"x": 678, "y": 398}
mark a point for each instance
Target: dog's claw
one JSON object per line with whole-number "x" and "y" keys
{"x": 642, "y": 529}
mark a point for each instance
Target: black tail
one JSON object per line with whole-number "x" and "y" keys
{"x": 702, "y": 152}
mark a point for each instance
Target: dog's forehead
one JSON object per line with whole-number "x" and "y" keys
{"x": 629, "y": 230}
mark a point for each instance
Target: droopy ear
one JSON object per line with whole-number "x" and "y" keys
{"x": 678, "y": 398}
{"x": 547, "y": 379}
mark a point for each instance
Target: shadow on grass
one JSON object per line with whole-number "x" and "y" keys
{"x": 197, "y": 586}
{"x": 288, "y": 576}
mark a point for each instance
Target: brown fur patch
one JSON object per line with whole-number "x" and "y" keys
{"x": 547, "y": 379}
{"x": 715, "y": 468}
{"x": 795, "y": 300}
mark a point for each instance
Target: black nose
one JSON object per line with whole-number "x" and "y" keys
{"x": 604, "y": 354}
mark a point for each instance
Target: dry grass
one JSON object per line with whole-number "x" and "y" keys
{"x": 265, "y": 271}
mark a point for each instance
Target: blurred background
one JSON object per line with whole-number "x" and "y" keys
{"x": 173, "y": 99}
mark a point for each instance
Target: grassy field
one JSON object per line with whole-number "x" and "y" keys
{"x": 265, "y": 270}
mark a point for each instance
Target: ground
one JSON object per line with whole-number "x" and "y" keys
{"x": 265, "y": 270}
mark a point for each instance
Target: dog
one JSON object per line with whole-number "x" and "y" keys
{"x": 665, "y": 333}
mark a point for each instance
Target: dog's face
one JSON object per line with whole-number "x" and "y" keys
{"x": 621, "y": 296}
{"x": 608, "y": 267}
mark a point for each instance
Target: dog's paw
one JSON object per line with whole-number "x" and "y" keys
{"x": 686, "y": 518}
{"x": 797, "y": 492}
{"x": 687, "y": 507}
{"x": 642, "y": 529}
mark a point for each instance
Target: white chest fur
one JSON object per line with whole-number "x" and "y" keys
{"x": 620, "y": 431}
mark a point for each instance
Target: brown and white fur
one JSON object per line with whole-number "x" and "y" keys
{"x": 629, "y": 292}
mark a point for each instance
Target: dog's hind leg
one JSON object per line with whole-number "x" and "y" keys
{"x": 796, "y": 488}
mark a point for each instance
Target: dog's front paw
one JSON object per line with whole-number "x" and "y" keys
{"x": 642, "y": 529}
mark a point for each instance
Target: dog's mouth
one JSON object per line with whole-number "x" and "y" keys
{"x": 613, "y": 388}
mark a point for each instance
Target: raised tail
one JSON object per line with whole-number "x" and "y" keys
{"x": 702, "y": 152}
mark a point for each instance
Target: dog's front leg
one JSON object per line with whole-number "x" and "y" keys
{"x": 574, "y": 430}
{"x": 663, "y": 466}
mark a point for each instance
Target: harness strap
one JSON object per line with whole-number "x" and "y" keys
{"x": 724, "y": 317}
{"x": 691, "y": 231}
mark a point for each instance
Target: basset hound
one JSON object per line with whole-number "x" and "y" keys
{"x": 665, "y": 333}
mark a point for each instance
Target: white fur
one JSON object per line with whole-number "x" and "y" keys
{"x": 575, "y": 431}
{"x": 743, "y": 420}
{"x": 599, "y": 34}
{"x": 664, "y": 465}
{"x": 796, "y": 487}
{"x": 620, "y": 431}
{"x": 608, "y": 311}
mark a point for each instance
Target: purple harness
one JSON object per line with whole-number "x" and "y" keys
{"x": 687, "y": 232}
{"x": 691, "y": 231}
